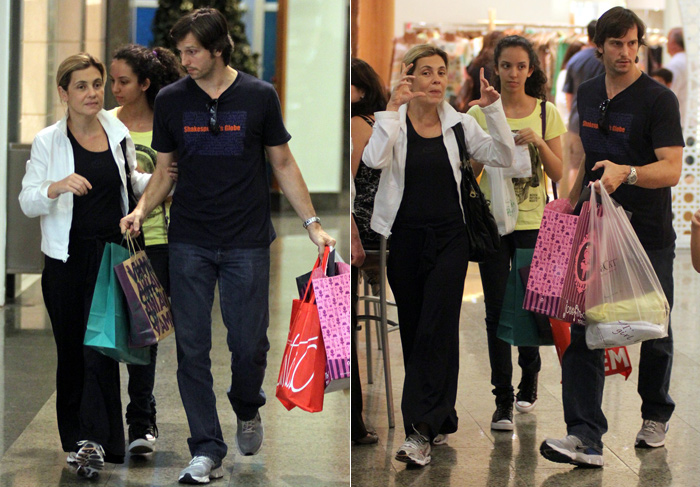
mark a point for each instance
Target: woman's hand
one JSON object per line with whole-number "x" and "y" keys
{"x": 402, "y": 91}
{"x": 172, "y": 171}
{"x": 488, "y": 92}
{"x": 75, "y": 183}
{"x": 528, "y": 136}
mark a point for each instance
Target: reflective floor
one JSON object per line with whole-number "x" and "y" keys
{"x": 477, "y": 456}
{"x": 300, "y": 449}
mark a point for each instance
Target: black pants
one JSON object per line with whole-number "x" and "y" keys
{"x": 494, "y": 276}
{"x": 88, "y": 399}
{"x": 141, "y": 409}
{"x": 426, "y": 271}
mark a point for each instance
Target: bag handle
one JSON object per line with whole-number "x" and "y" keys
{"x": 543, "y": 116}
{"x": 309, "y": 287}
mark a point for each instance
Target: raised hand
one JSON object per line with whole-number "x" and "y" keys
{"x": 402, "y": 91}
{"x": 74, "y": 183}
{"x": 488, "y": 92}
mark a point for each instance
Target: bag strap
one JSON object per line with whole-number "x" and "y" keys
{"x": 309, "y": 285}
{"x": 458, "y": 130}
{"x": 543, "y": 116}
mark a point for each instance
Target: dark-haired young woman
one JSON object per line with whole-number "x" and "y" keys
{"x": 137, "y": 74}
{"x": 521, "y": 82}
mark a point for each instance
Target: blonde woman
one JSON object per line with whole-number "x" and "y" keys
{"x": 77, "y": 182}
{"x": 418, "y": 203}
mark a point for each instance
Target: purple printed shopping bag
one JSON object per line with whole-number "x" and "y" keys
{"x": 551, "y": 259}
{"x": 572, "y": 306}
{"x": 333, "y": 302}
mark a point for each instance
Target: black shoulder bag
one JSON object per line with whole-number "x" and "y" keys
{"x": 481, "y": 226}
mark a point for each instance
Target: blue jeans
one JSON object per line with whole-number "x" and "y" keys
{"x": 583, "y": 371}
{"x": 243, "y": 276}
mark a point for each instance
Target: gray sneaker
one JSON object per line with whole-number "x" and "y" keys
{"x": 652, "y": 434}
{"x": 249, "y": 435}
{"x": 415, "y": 450}
{"x": 571, "y": 450}
{"x": 200, "y": 470}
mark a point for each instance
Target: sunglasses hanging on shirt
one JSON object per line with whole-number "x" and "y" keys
{"x": 212, "y": 106}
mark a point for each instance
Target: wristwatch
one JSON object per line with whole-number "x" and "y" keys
{"x": 313, "y": 219}
{"x": 632, "y": 177}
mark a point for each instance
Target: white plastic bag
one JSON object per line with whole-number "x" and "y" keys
{"x": 522, "y": 163}
{"x": 625, "y": 302}
{"x": 504, "y": 204}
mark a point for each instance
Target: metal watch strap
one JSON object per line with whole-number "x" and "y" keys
{"x": 313, "y": 219}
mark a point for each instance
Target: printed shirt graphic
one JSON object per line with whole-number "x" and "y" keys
{"x": 155, "y": 231}
{"x": 222, "y": 195}
{"x": 640, "y": 119}
{"x": 531, "y": 192}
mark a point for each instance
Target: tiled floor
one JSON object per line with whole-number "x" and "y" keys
{"x": 300, "y": 449}
{"x": 477, "y": 456}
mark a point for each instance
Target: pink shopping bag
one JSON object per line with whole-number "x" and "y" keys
{"x": 551, "y": 258}
{"x": 333, "y": 302}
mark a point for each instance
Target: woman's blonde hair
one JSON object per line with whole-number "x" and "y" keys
{"x": 77, "y": 62}
{"x": 420, "y": 51}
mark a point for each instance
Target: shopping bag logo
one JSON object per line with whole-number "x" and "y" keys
{"x": 293, "y": 360}
{"x": 583, "y": 265}
{"x": 150, "y": 293}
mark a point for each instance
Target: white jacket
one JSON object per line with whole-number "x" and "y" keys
{"x": 51, "y": 160}
{"x": 386, "y": 150}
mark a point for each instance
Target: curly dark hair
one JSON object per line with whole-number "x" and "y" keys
{"x": 362, "y": 76}
{"x": 158, "y": 64}
{"x": 536, "y": 84}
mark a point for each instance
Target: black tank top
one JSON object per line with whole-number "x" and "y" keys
{"x": 96, "y": 214}
{"x": 430, "y": 191}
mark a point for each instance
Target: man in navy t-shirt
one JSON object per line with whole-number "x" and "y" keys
{"x": 219, "y": 124}
{"x": 633, "y": 142}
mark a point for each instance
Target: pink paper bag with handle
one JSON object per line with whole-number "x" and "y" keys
{"x": 333, "y": 302}
{"x": 551, "y": 258}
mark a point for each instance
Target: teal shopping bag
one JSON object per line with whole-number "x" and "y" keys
{"x": 518, "y": 326}
{"x": 108, "y": 322}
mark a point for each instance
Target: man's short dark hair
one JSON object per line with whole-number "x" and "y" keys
{"x": 615, "y": 23}
{"x": 209, "y": 27}
{"x": 591, "y": 30}
{"x": 664, "y": 74}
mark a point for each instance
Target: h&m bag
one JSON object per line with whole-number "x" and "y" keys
{"x": 108, "y": 323}
{"x": 482, "y": 229}
{"x": 504, "y": 203}
{"x": 617, "y": 359}
{"x": 147, "y": 301}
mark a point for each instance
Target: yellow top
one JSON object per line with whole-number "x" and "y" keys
{"x": 531, "y": 192}
{"x": 155, "y": 231}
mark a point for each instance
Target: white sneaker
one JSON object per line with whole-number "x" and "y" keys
{"x": 90, "y": 459}
{"x": 440, "y": 439}
{"x": 200, "y": 470}
{"x": 571, "y": 450}
{"x": 415, "y": 450}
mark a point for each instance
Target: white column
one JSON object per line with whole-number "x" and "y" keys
{"x": 686, "y": 196}
{"x": 4, "y": 123}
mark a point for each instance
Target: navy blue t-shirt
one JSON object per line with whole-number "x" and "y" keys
{"x": 641, "y": 118}
{"x": 222, "y": 197}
